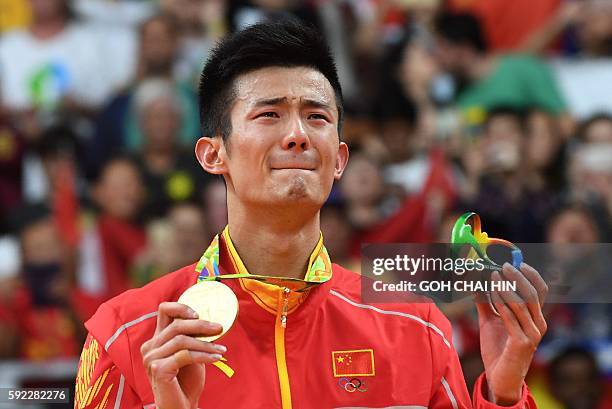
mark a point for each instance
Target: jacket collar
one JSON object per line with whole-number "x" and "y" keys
{"x": 222, "y": 259}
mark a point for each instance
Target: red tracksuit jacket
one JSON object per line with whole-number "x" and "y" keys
{"x": 334, "y": 352}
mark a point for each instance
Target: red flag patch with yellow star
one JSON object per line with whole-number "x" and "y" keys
{"x": 358, "y": 362}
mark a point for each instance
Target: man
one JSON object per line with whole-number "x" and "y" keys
{"x": 51, "y": 64}
{"x": 489, "y": 81}
{"x": 271, "y": 112}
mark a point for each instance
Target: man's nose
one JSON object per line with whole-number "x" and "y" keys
{"x": 297, "y": 137}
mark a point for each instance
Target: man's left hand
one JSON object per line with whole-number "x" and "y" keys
{"x": 508, "y": 341}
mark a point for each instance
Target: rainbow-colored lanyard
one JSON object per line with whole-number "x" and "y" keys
{"x": 472, "y": 235}
{"x": 319, "y": 271}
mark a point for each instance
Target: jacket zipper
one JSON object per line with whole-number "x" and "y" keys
{"x": 279, "y": 346}
{"x": 283, "y": 317}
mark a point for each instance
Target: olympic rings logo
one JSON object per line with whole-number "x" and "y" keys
{"x": 353, "y": 384}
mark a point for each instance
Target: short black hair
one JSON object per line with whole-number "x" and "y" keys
{"x": 59, "y": 139}
{"x": 118, "y": 157}
{"x": 393, "y": 105}
{"x": 583, "y": 128}
{"x": 461, "y": 29}
{"x": 518, "y": 114}
{"x": 277, "y": 44}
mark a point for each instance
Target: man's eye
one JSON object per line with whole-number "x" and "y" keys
{"x": 318, "y": 116}
{"x": 268, "y": 115}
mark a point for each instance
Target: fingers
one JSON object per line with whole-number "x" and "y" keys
{"x": 536, "y": 280}
{"x": 527, "y": 294}
{"x": 526, "y": 291}
{"x": 510, "y": 322}
{"x": 194, "y": 327}
{"x": 182, "y": 344}
{"x": 166, "y": 369}
{"x": 517, "y": 336}
{"x": 173, "y": 345}
{"x": 528, "y": 315}
{"x": 168, "y": 311}
{"x": 483, "y": 305}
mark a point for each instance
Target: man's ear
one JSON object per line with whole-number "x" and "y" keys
{"x": 210, "y": 152}
{"x": 341, "y": 160}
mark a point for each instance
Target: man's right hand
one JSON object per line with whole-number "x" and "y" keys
{"x": 174, "y": 358}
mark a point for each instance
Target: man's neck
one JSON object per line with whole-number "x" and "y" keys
{"x": 270, "y": 244}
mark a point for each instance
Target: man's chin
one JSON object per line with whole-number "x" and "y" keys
{"x": 295, "y": 198}
{"x": 296, "y": 191}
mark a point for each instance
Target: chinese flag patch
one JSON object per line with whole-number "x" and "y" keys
{"x": 359, "y": 362}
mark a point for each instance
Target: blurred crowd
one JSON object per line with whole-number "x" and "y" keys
{"x": 502, "y": 108}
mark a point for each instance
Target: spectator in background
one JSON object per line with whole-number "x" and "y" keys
{"x": 190, "y": 231}
{"x": 365, "y": 193}
{"x": 171, "y": 173}
{"x": 337, "y": 232}
{"x": 590, "y": 179}
{"x": 417, "y": 74}
{"x": 583, "y": 68}
{"x": 577, "y": 382}
{"x": 486, "y": 81}
{"x": 200, "y": 24}
{"x": 572, "y": 224}
{"x": 53, "y": 64}
{"x": 176, "y": 240}
{"x": 118, "y": 126}
{"x": 380, "y": 213}
{"x": 57, "y": 146}
{"x": 596, "y": 129}
{"x": 507, "y": 28}
{"x": 591, "y": 167}
{"x": 40, "y": 315}
{"x": 158, "y": 47}
{"x": 407, "y": 164}
{"x": 496, "y": 184}
{"x": 113, "y": 238}
{"x": 594, "y": 29}
{"x": 583, "y": 265}
{"x": 586, "y": 26}
{"x": 545, "y": 153}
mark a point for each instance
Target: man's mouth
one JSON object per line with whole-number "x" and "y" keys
{"x": 293, "y": 167}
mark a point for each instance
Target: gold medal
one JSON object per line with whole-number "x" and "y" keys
{"x": 214, "y": 302}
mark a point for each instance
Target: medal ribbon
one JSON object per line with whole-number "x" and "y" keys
{"x": 319, "y": 265}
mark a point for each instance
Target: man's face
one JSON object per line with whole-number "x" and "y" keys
{"x": 284, "y": 147}
{"x": 158, "y": 47}
{"x": 572, "y": 227}
{"x": 120, "y": 191}
{"x": 160, "y": 123}
{"x": 503, "y": 143}
{"x": 189, "y": 232}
